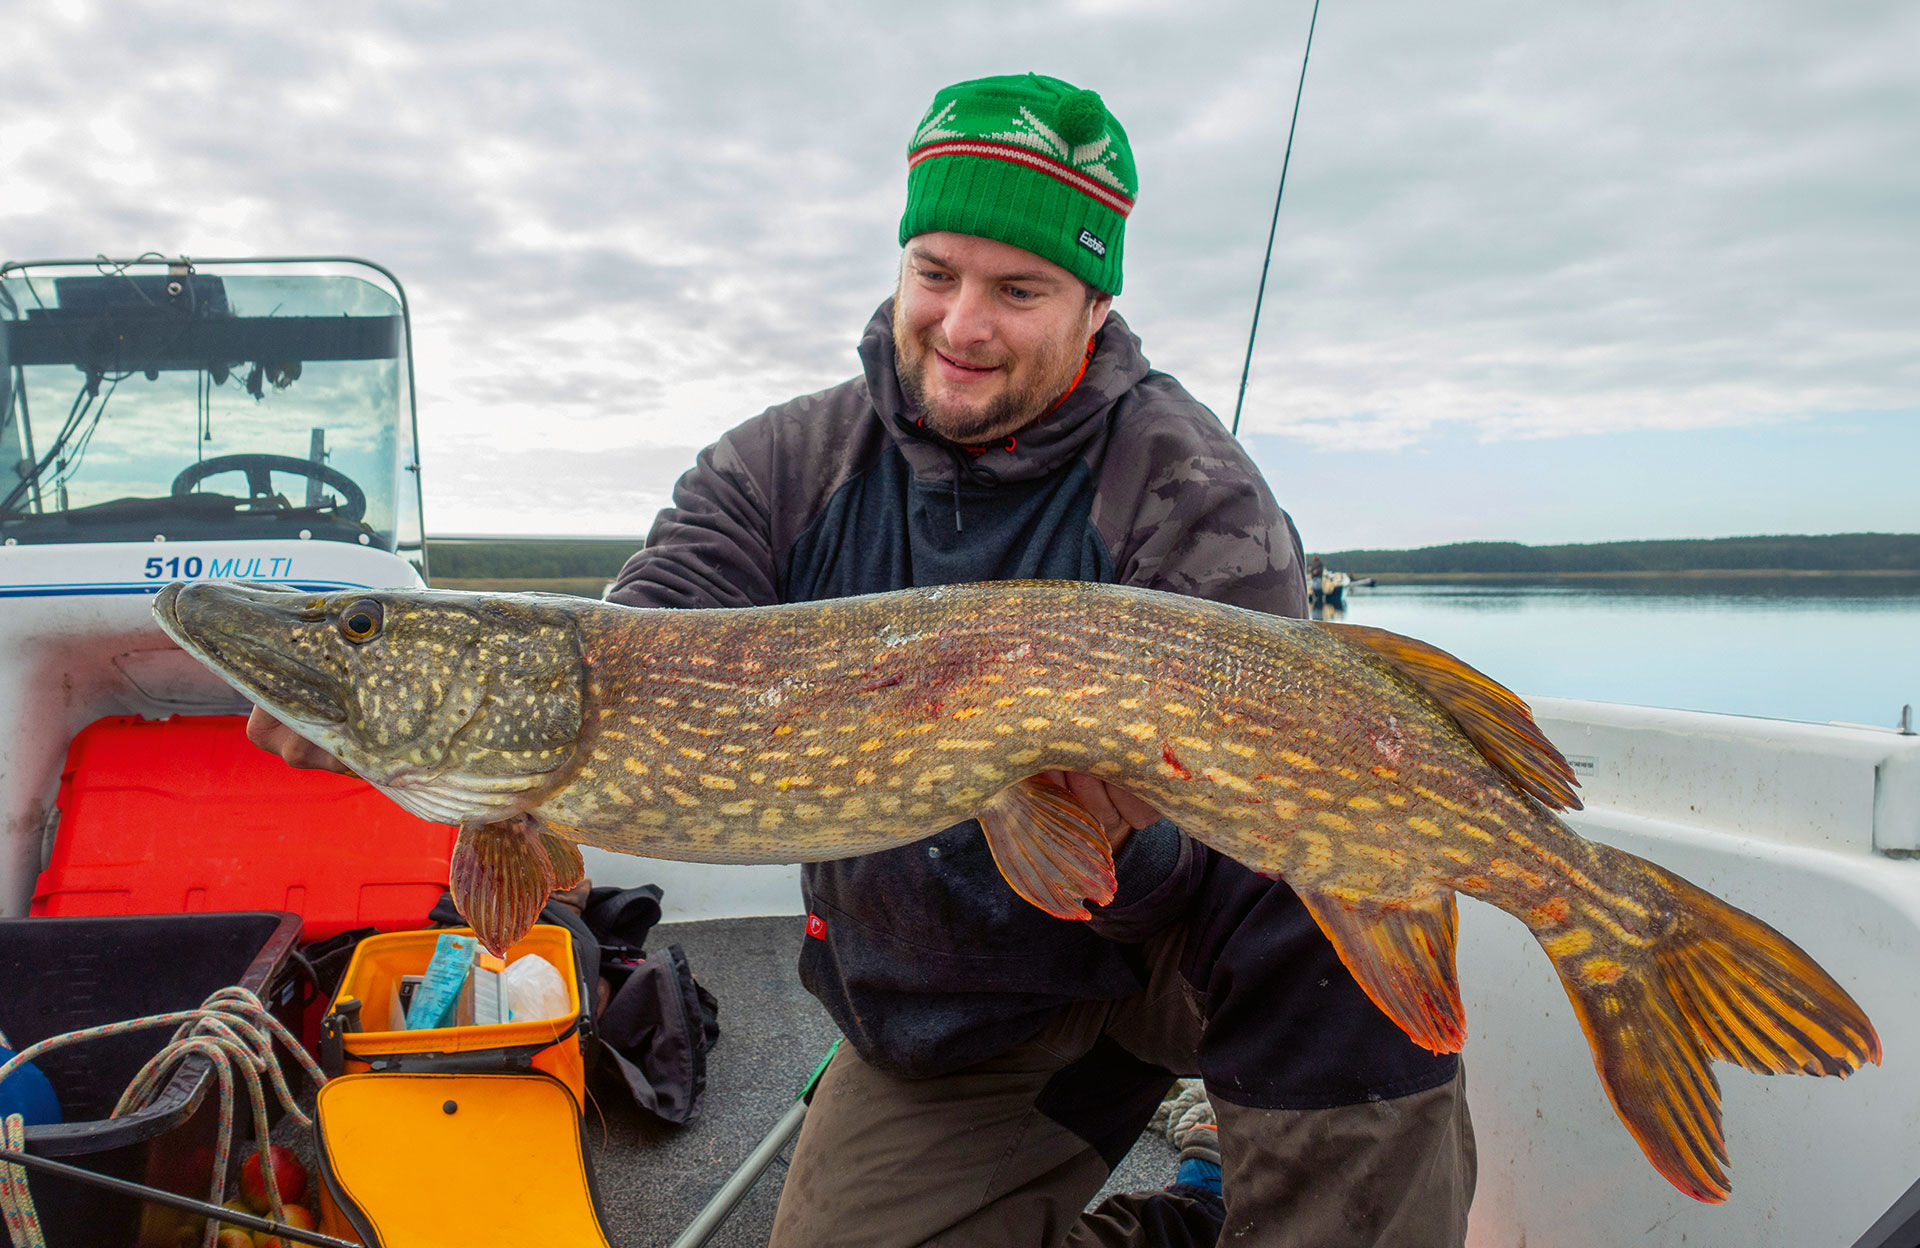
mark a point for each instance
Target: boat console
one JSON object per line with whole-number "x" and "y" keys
{"x": 166, "y": 420}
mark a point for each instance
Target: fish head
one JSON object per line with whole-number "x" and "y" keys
{"x": 460, "y": 706}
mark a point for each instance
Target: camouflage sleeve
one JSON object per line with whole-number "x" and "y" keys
{"x": 1182, "y": 507}
{"x": 713, "y": 547}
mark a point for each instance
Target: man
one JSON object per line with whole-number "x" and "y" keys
{"x": 1006, "y": 425}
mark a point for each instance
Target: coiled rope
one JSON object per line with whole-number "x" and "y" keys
{"x": 234, "y": 1032}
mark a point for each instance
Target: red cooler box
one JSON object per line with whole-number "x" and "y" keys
{"x": 184, "y": 815}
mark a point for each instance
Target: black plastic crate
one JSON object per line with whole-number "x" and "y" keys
{"x": 63, "y": 974}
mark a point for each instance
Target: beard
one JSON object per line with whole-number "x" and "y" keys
{"x": 1032, "y": 387}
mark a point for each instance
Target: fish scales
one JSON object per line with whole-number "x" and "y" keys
{"x": 1376, "y": 775}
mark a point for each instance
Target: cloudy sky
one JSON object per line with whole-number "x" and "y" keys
{"x": 1544, "y": 272}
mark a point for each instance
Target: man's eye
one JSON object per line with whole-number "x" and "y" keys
{"x": 1019, "y": 294}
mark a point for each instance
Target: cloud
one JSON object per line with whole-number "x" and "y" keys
{"x": 624, "y": 229}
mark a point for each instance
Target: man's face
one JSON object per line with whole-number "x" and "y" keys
{"x": 987, "y": 336}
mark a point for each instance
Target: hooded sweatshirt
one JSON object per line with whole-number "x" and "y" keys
{"x": 922, "y": 954}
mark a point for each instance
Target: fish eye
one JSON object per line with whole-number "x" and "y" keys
{"x": 361, "y": 622}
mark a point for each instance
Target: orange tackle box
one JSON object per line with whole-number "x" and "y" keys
{"x": 426, "y": 1160}
{"x": 359, "y": 1035}
{"x": 184, "y": 814}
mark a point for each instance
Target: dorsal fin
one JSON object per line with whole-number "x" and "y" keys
{"x": 1494, "y": 718}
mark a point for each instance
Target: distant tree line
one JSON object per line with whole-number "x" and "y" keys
{"x": 1844, "y": 552}
{"x": 528, "y": 558}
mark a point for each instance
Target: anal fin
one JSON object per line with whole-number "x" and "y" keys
{"x": 1402, "y": 955}
{"x": 1049, "y": 849}
{"x": 500, "y": 878}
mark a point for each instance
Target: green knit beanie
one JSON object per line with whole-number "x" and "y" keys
{"x": 1026, "y": 160}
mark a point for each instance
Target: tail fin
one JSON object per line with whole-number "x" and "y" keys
{"x": 1721, "y": 986}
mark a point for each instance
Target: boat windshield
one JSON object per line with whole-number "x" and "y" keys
{"x": 193, "y": 404}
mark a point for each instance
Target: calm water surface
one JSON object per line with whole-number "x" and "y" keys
{"x": 1826, "y": 648}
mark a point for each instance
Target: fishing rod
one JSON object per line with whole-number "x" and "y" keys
{"x": 1272, "y": 229}
{"x": 173, "y": 1200}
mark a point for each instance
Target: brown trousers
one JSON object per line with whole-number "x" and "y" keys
{"x": 969, "y": 1160}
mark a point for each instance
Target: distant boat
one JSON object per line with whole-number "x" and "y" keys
{"x": 1329, "y": 589}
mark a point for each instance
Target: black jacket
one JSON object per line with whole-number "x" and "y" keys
{"x": 922, "y": 954}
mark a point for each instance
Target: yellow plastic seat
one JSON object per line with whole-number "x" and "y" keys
{"x": 427, "y": 1160}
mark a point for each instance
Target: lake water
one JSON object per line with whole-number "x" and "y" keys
{"x": 1815, "y": 648}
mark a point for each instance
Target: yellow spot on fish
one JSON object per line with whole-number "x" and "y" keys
{"x": 1037, "y": 691}
{"x": 1236, "y": 748}
{"x": 987, "y": 771}
{"x": 1363, "y": 803}
{"x": 1033, "y": 723}
{"x": 688, "y": 751}
{"x": 1298, "y": 761}
{"x": 634, "y": 765}
{"x": 866, "y": 775}
{"x": 1383, "y": 854}
{"x": 1568, "y": 943}
{"x": 1601, "y": 970}
{"x": 871, "y": 743}
{"x": 1394, "y": 799}
{"x": 1138, "y": 730}
{"x": 1327, "y": 819}
{"x": 902, "y": 755}
{"x": 815, "y": 751}
{"x": 718, "y": 782}
{"x": 783, "y": 730}
{"x": 966, "y": 712}
{"x": 1421, "y": 824}
{"x": 742, "y": 807}
{"x": 1130, "y": 704}
{"x": 680, "y": 796}
{"x": 962, "y": 743}
{"x": 1284, "y": 808}
{"x": 793, "y": 782}
{"x": 1477, "y": 833}
{"x": 1318, "y": 795}
{"x": 1227, "y": 779}
{"x": 1175, "y": 708}
{"x": 1195, "y": 743}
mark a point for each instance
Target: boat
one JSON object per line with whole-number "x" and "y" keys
{"x": 254, "y": 419}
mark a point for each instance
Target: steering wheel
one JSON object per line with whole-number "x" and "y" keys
{"x": 260, "y": 470}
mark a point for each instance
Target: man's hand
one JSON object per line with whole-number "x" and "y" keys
{"x": 1119, "y": 813}
{"x": 276, "y": 738}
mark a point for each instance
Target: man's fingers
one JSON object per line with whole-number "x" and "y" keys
{"x": 276, "y": 738}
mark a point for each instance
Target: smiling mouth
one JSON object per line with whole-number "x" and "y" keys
{"x": 965, "y": 367}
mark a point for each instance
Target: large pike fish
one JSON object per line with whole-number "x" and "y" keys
{"x": 1377, "y": 775}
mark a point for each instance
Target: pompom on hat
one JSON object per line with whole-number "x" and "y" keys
{"x": 1026, "y": 160}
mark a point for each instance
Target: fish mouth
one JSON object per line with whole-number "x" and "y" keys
{"x": 241, "y": 632}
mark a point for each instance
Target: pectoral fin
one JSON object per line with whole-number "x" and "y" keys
{"x": 500, "y": 878}
{"x": 1051, "y": 851}
{"x": 1402, "y": 955}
